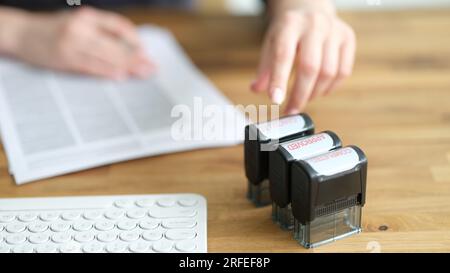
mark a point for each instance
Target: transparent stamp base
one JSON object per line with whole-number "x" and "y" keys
{"x": 259, "y": 194}
{"x": 328, "y": 228}
{"x": 283, "y": 216}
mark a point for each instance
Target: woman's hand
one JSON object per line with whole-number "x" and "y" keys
{"x": 87, "y": 41}
{"x": 307, "y": 35}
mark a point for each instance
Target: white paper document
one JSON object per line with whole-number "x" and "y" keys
{"x": 52, "y": 123}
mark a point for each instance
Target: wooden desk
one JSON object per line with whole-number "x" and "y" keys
{"x": 396, "y": 107}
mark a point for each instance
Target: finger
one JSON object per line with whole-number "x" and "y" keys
{"x": 141, "y": 67}
{"x": 329, "y": 67}
{"x": 112, "y": 23}
{"x": 346, "y": 62}
{"x": 108, "y": 50}
{"x": 120, "y": 27}
{"x": 309, "y": 59}
{"x": 261, "y": 81}
{"x": 86, "y": 64}
{"x": 282, "y": 53}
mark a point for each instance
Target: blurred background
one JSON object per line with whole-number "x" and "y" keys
{"x": 253, "y": 7}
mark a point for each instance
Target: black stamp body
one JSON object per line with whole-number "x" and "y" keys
{"x": 262, "y": 139}
{"x": 327, "y": 195}
{"x": 280, "y": 170}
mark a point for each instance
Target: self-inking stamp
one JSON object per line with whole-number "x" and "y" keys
{"x": 260, "y": 140}
{"x": 280, "y": 170}
{"x": 327, "y": 195}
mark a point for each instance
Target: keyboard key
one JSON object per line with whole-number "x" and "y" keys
{"x": 39, "y": 238}
{"x": 61, "y": 237}
{"x": 187, "y": 202}
{"x": 70, "y": 215}
{"x": 129, "y": 236}
{"x": 15, "y": 228}
{"x": 179, "y": 223}
{"x": 7, "y": 217}
{"x": 162, "y": 246}
{"x": 23, "y": 249}
{"x": 180, "y": 234}
{"x": 124, "y": 204}
{"x": 82, "y": 226}
{"x": 166, "y": 202}
{"x": 28, "y": 217}
{"x": 60, "y": 226}
{"x": 1, "y": 238}
{"x": 114, "y": 214}
{"x": 152, "y": 235}
{"x": 49, "y": 216}
{"x": 92, "y": 248}
{"x": 92, "y": 215}
{"x": 47, "y": 248}
{"x": 126, "y": 225}
{"x": 171, "y": 213}
{"x": 136, "y": 213}
{"x": 4, "y": 249}
{"x": 70, "y": 248}
{"x": 148, "y": 224}
{"x": 37, "y": 227}
{"x": 139, "y": 247}
{"x": 145, "y": 203}
{"x": 84, "y": 237}
{"x": 116, "y": 247}
{"x": 107, "y": 237}
{"x": 15, "y": 239}
{"x": 186, "y": 246}
{"x": 1, "y": 227}
{"x": 104, "y": 225}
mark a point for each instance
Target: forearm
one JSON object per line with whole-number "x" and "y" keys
{"x": 12, "y": 22}
{"x": 281, "y": 6}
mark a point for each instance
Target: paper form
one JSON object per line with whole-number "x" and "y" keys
{"x": 52, "y": 123}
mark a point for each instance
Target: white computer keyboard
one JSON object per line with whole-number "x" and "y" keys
{"x": 127, "y": 223}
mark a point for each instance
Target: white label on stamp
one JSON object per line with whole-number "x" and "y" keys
{"x": 279, "y": 128}
{"x": 309, "y": 146}
{"x": 335, "y": 161}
